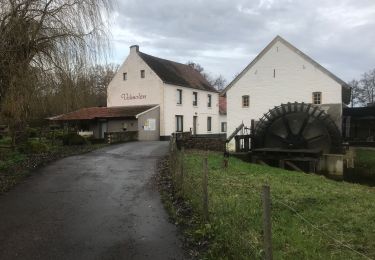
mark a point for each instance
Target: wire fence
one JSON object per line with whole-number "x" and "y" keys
{"x": 242, "y": 216}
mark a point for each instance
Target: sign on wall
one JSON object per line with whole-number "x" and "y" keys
{"x": 150, "y": 124}
{"x": 128, "y": 96}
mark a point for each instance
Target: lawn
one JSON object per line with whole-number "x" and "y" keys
{"x": 312, "y": 217}
{"x": 365, "y": 163}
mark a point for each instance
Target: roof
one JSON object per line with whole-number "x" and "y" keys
{"x": 90, "y": 113}
{"x": 175, "y": 73}
{"x": 222, "y": 105}
{"x": 346, "y": 90}
{"x": 359, "y": 111}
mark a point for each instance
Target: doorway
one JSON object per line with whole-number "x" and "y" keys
{"x": 102, "y": 129}
{"x": 195, "y": 119}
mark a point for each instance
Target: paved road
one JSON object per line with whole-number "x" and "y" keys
{"x": 100, "y": 205}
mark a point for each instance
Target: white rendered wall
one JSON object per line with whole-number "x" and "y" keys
{"x": 295, "y": 80}
{"x": 149, "y": 88}
{"x": 188, "y": 110}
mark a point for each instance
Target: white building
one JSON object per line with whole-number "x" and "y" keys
{"x": 280, "y": 74}
{"x": 155, "y": 97}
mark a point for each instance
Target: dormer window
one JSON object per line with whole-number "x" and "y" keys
{"x": 142, "y": 74}
{"x": 124, "y": 76}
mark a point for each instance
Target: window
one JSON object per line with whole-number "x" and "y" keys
{"x": 209, "y": 121}
{"x": 245, "y": 101}
{"x": 209, "y": 100}
{"x": 317, "y": 98}
{"x": 223, "y": 127}
{"x": 179, "y": 96}
{"x": 179, "y": 123}
{"x": 195, "y": 99}
{"x": 142, "y": 74}
{"x": 124, "y": 76}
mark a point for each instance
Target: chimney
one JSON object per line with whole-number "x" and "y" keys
{"x": 134, "y": 48}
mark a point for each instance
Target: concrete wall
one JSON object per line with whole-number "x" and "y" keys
{"x": 116, "y": 125}
{"x": 294, "y": 80}
{"x": 202, "y": 111}
{"x": 143, "y": 132}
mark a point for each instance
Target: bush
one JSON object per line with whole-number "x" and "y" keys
{"x": 73, "y": 139}
{"x": 55, "y": 134}
{"x": 93, "y": 140}
{"x": 33, "y": 147}
{"x": 32, "y": 132}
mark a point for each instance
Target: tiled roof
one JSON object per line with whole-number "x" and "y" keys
{"x": 222, "y": 105}
{"x": 175, "y": 73}
{"x": 102, "y": 112}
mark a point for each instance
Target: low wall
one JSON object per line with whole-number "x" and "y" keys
{"x": 119, "y": 137}
{"x": 214, "y": 142}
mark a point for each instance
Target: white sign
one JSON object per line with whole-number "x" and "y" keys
{"x": 150, "y": 124}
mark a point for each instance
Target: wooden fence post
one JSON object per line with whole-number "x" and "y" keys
{"x": 205, "y": 189}
{"x": 182, "y": 155}
{"x": 267, "y": 228}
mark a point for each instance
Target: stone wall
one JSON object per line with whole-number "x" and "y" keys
{"x": 213, "y": 142}
{"x": 120, "y": 137}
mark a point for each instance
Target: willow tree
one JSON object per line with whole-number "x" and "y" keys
{"x": 39, "y": 36}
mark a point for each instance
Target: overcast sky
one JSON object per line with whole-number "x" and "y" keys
{"x": 224, "y": 36}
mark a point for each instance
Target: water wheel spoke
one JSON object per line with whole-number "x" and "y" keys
{"x": 282, "y": 139}
{"x": 303, "y": 126}
{"x": 315, "y": 138}
{"x": 287, "y": 126}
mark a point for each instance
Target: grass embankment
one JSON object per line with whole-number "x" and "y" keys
{"x": 365, "y": 163}
{"x": 15, "y": 165}
{"x": 345, "y": 212}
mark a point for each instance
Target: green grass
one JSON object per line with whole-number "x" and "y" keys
{"x": 343, "y": 211}
{"x": 365, "y": 163}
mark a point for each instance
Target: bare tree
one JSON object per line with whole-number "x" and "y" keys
{"x": 38, "y": 36}
{"x": 363, "y": 91}
{"x": 218, "y": 82}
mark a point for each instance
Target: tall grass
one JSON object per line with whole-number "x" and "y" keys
{"x": 340, "y": 213}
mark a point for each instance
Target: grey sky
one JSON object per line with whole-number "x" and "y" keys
{"x": 224, "y": 36}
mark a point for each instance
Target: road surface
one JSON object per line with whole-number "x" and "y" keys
{"x": 99, "y": 205}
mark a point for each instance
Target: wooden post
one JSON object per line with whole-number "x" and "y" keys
{"x": 205, "y": 189}
{"x": 182, "y": 167}
{"x": 267, "y": 230}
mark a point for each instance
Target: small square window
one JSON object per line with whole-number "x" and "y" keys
{"x": 317, "y": 98}
{"x": 142, "y": 74}
{"x": 124, "y": 76}
{"x": 246, "y": 101}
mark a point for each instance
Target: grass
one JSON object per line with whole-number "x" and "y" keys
{"x": 365, "y": 163}
{"x": 341, "y": 210}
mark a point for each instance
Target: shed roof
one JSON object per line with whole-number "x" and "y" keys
{"x": 90, "y": 113}
{"x": 175, "y": 73}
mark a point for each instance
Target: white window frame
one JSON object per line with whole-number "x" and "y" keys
{"x": 244, "y": 103}
{"x": 179, "y": 123}
{"x": 317, "y": 97}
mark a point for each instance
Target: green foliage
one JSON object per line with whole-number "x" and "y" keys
{"x": 73, "y": 139}
{"x": 32, "y": 132}
{"x": 33, "y": 147}
{"x": 10, "y": 158}
{"x": 341, "y": 210}
{"x": 57, "y": 134}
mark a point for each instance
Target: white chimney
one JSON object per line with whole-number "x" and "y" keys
{"x": 134, "y": 48}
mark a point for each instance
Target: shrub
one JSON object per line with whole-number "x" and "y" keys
{"x": 32, "y": 132}
{"x": 33, "y": 147}
{"x": 55, "y": 134}
{"x": 73, "y": 139}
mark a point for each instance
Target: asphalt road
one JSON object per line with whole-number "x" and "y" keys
{"x": 100, "y": 205}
